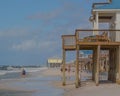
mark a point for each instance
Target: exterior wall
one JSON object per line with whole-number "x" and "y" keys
{"x": 112, "y": 27}
{"x": 117, "y": 26}
{"x": 54, "y": 62}
{"x": 96, "y": 24}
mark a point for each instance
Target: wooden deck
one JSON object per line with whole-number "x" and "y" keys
{"x": 70, "y": 41}
{"x": 91, "y": 45}
{"x": 79, "y": 42}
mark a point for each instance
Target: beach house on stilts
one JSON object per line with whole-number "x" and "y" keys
{"x": 97, "y": 39}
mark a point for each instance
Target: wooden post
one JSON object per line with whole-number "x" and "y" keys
{"x": 114, "y": 64}
{"x": 118, "y": 65}
{"x": 93, "y": 66}
{"x": 97, "y": 65}
{"x": 109, "y": 70}
{"x": 77, "y": 67}
{"x": 63, "y": 68}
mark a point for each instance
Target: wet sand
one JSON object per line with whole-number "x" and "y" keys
{"x": 37, "y": 83}
{"x": 14, "y": 93}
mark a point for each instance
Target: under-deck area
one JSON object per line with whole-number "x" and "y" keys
{"x": 85, "y": 40}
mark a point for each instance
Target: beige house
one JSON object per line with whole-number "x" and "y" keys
{"x": 54, "y": 62}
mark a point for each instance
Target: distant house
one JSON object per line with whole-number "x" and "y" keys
{"x": 54, "y": 62}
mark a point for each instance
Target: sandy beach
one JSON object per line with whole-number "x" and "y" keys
{"x": 48, "y": 82}
{"x": 88, "y": 88}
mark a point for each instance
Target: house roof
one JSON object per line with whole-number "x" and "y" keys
{"x": 115, "y": 4}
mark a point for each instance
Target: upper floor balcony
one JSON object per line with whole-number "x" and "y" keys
{"x": 86, "y": 39}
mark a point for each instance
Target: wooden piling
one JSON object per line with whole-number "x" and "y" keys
{"x": 77, "y": 83}
{"x": 97, "y": 65}
{"x": 63, "y": 68}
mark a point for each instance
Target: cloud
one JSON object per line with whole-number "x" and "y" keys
{"x": 13, "y": 32}
{"x": 68, "y": 15}
{"x": 46, "y": 16}
{"x": 66, "y": 10}
{"x": 25, "y": 45}
{"x": 33, "y": 45}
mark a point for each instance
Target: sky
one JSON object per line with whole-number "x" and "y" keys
{"x": 30, "y": 30}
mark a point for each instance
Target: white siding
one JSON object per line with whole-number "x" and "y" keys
{"x": 117, "y": 26}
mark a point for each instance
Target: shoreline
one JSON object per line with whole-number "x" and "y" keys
{"x": 37, "y": 82}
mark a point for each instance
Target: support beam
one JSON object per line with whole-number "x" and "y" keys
{"x": 77, "y": 83}
{"x": 63, "y": 68}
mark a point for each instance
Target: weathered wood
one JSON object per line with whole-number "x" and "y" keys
{"x": 118, "y": 65}
{"x": 77, "y": 68}
{"x": 115, "y": 64}
{"x": 103, "y": 38}
{"x": 110, "y": 65}
{"x": 93, "y": 66}
{"x": 63, "y": 67}
{"x": 97, "y": 65}
{"x": 114, "y": 56}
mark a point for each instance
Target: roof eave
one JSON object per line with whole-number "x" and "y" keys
{"x": 105, "y": 10}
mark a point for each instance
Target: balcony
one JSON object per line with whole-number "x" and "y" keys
{"x": 87, "y": 39}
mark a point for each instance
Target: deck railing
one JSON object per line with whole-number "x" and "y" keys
{"x": 68, "y": 40}
{"x": 103, "y": 35}
{"x": 90, "y": 36}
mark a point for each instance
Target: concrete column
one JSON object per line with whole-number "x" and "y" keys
{"x": 63, "y": 68}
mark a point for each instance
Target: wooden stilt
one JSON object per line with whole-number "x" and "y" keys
{"x": 93, "y": 66}
{"x": 97, "y": 65}
{"x": 109, "y": 70}
{"x": 75, "y": 42}
{"x": 63, "y": 68}
{"x": 77, "y": 84}
{"x": 114, "y": 65}
{"x": 118, "y": 65}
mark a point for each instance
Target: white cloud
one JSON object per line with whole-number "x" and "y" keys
{"x": 46, "y": 44}
{"x": 25, "y": 45}
{"x": 14, "y": 32}
{"x": 33, "y": 44}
